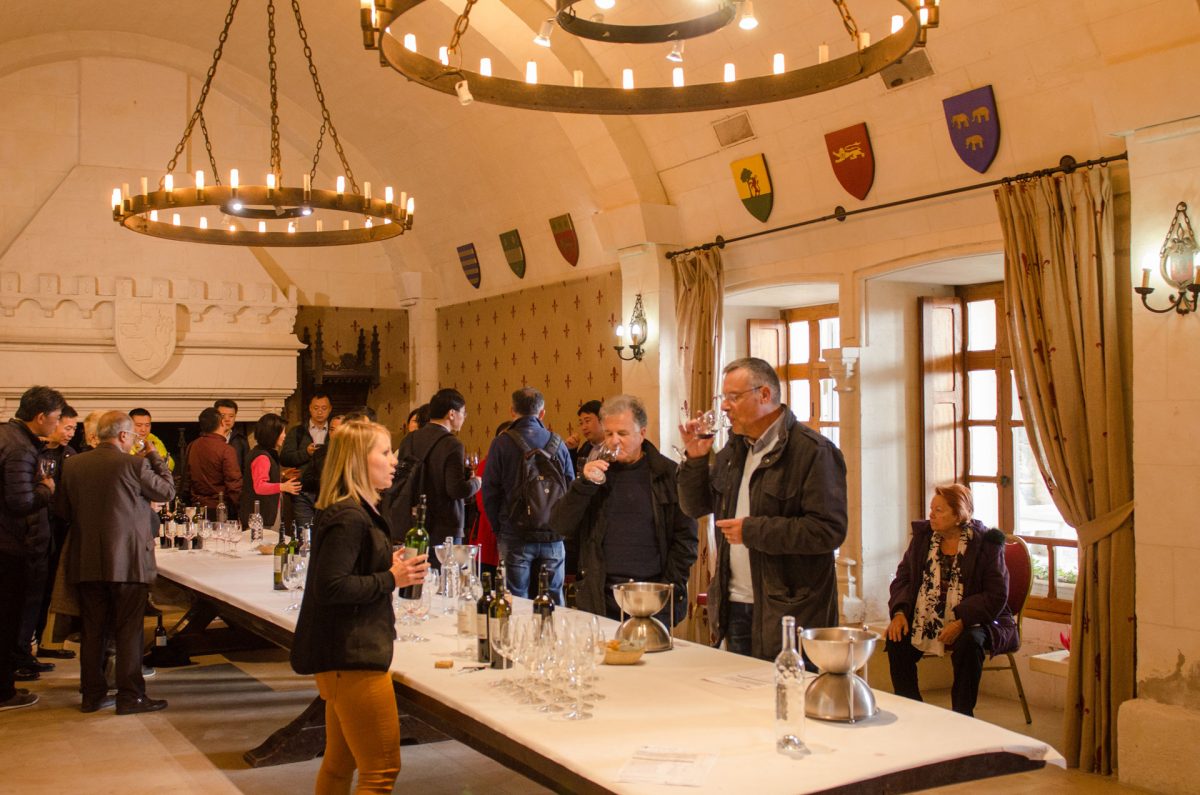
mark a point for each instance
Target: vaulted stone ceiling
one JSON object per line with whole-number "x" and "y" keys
{"x": 481, "y": 170}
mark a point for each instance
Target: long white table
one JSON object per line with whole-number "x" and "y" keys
{"x": 664, "y": 701}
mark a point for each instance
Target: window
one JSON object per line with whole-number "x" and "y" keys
{"x": 996, "y": 460}
{"x": 794, "y": 345}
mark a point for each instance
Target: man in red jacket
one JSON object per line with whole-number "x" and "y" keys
{"x": 213, "y": 467}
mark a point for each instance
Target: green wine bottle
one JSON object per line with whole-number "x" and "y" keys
{"x": 416, "y": 542}
{"x": 499, "y": 612}
{"x": 281, "y": 554}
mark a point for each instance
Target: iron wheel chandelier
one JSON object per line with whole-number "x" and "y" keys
{"x": 379, "y": 22}
{"x": 271, "y": 214}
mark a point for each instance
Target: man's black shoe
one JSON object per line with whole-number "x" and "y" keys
{"x": 90, "y": 705}
{"x": 26, "y": 675}
{"x": 143, "y": 704}
{"x": 33, "y": 665}
{"x": 56, "y": 654}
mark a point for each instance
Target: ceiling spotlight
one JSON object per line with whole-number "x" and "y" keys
{"x": 676, "y": 53}
{"x": 464, "y": 92}
{"x": 605, "y": 4}
{"x": 542, "y": 39}
{"x": 746, "y": 20}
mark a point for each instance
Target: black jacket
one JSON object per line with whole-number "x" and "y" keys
{"x": 295, "y": 448}
{"x": 984, "y": 579}
{"x": 268, "y": 504}
{"x": 446, "y": 484}
{"x": 581, "y": 515}
{"x": 797, "y": 521}
{"x": 346, "y": 621}
{"x": 24, "y": 520}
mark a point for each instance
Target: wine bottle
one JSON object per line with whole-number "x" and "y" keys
{"x": 254, "y": 522}
{"x": 484, "y": 651}
{"x": 543, "y": 605}
{"x": 164, "y": 521}
{"x": 498, "y": 614}
{"x": 223, "y": 511}
{"x": 416, "y": 542}
{"x": 181, "y": 526}
{"x": 160, "y": 634}
{"x": 789, "y": 694}
{"x": 281, "y": 556}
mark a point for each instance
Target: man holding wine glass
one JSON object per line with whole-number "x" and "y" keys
{"x": 624, "y": 514}
{"x": 778, "y": 494}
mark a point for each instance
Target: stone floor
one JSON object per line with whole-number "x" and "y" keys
{"x": 227, "y": 704}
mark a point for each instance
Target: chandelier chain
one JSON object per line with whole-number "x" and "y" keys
{"x": 460, "y": 27}
{"x": 198, "y": 113}
{"x": 847, "y": 20}
{"x": 312, "y": 173}
{"x": 326, "y": 120}
{"x": 276, "y": 160}
{"x": 212, "y": 159}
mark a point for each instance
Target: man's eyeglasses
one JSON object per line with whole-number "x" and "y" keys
{"x": 732, "y": 397}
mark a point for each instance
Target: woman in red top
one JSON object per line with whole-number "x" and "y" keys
{"x": 262, "y": 481}
{"x": 482, "y": 533}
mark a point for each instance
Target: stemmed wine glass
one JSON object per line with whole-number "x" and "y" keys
{"x": 47, "y": 467}
{"x": 415, "y": 610}
{"x": 708, "y": 423}
{"x": 606, "y": 453}
{"x": 294, "y": 571}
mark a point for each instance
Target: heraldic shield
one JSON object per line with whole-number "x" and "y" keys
{"x": 470, "y": 264}
{"x": 753, "y": 182}
{"x": 852, "y": 159}
{"x": 145, "y": 334}
{"x": 974, "y": 127}
{"x": 514, "y": 252}
{"x": 566, "y": 238}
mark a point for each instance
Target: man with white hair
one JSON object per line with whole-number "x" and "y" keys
{"x": 105, "y": 498}
{"x": 624, "y": 513}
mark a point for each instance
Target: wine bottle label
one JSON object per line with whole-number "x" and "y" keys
{"x": 411, "y": 552}
{"x": 464, "y": 623}
{"x": 160, "y": 640}
{"x": 481, "y": 625}
{"x": 278, "y": 564}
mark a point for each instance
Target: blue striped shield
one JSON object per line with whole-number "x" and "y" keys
{"x": 470, "y": 264}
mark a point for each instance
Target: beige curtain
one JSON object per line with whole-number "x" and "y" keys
{"x": 699, "y": 316}
{"x": 1063, "y": 290}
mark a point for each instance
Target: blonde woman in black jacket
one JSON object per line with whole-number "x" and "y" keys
{"x": 346, "y": 628}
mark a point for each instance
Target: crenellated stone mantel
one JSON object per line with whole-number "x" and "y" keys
{"x": 170, "y": 345}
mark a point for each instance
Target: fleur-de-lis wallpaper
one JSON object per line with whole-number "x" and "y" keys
{"x": 557, "y": 338}
{"x": 340, "y": 327}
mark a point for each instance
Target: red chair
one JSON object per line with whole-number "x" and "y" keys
{"x": 1020, "y": 581}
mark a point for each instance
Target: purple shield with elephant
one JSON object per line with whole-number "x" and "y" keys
{"x": 974, "y": 126}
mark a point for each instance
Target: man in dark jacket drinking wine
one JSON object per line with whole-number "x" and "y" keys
{"x": 778, "y": 493}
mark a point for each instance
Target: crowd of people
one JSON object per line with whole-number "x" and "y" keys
{"x": 601, "y": 507}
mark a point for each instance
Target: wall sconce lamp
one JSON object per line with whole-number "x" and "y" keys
{"x": 1178, "y": 264}
{"x": 637, "y": 334}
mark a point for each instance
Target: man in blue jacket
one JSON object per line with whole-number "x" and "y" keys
{"x": 524, "y": 552}
{"x": 25, "y": 495}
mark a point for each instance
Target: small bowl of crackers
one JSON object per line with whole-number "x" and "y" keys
{"x": 620, "y": 651}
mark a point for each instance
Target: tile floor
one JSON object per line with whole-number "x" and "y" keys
{"x": 227, "y": 704}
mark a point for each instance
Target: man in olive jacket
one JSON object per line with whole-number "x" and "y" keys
{"x": 625, "y": 516}
{"x": 105, "y": 498}
{"x": 778, "y": 492}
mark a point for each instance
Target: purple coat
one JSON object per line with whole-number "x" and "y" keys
{"x": 984, "y": 578}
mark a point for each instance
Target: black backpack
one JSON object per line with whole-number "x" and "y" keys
{"x": 408, "y": 484}
{"x": 540, "y": 484}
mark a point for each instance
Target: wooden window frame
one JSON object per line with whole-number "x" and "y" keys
{"x": 1049, "y": 607}
{"x": 814, "y": 370}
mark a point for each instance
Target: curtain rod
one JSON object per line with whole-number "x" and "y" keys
{"x": 1066, "y": 165}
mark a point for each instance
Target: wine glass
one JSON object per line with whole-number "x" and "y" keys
{"x": 606, "y": 453}
{"x": 294, "y": 571}
{"x": 234, "y": 530}
{"x": 414, "y": 610}
{"x": 47, "y": 467}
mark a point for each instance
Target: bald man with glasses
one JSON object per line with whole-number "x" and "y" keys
{"x": 777, "y": 491}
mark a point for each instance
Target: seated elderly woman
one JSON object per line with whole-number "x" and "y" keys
{"x": 950, "y": 591}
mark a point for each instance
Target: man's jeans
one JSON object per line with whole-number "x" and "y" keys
{"x": 737, "y": 634}
{"x": 522, "y": 562}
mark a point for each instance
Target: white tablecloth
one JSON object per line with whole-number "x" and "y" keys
{"x": 663, "y": 701}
